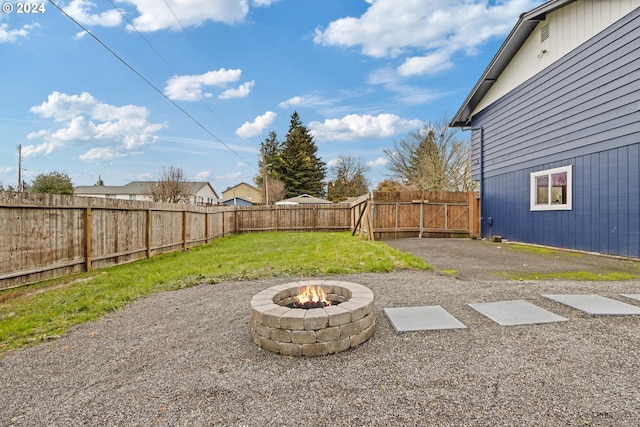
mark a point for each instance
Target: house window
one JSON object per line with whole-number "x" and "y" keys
{"x": 551, "y": 189}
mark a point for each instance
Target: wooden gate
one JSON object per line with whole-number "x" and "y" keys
{"x": 428, "y": 214}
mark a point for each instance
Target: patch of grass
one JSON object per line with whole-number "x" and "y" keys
{"x": 449, "y": 272}
{"x": 44, "y": 311}
{"x": 575, "y": 276}
{"x": 542, "y": 251}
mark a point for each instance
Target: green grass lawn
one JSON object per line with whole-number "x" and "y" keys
{"x": 44, "y": 311}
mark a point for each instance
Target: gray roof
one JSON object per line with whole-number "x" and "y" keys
{"x": 523, "y": 29}
{"x": 134, "y": 187}
{"x": 305, "y": 199}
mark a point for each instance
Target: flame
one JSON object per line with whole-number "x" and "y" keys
{"x": 312, "y": 294}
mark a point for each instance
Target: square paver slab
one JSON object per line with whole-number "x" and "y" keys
{"x": 632, "y": 296}
{"x": 596, "y": 305}
{"x": 411, "y": 319}
{"x": 516, "y": 312}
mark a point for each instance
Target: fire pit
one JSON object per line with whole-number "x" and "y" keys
{"x": 312, "y": 318}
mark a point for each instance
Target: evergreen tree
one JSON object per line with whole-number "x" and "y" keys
{"x": 299, "y": 167}
{"x": 269, "y": 160}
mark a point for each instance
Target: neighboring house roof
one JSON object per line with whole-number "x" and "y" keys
{"x": 237, "y": 201}
{"x": 303, "y": 199}
{"x": 134, "y": 187}
{"x": 241, "y": 184}
{"x": 523, "y": 29}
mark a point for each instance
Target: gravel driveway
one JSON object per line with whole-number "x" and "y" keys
{"x": 185, "y": 358}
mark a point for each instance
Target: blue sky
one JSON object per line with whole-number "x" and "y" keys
{"x": 199, "y": 84}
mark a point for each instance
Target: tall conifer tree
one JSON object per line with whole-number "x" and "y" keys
{"x": 300, "y": 168}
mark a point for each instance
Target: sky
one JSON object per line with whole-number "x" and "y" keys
{"x": 120, "y": 89}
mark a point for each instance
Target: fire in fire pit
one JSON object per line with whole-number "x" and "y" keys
{"x": 311, "y": 296}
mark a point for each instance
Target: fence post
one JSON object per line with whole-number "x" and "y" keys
{"x": 206, "y": 227}
{"x": 87, "y": 238}
{"x": 315, "y": 218}
{"x": 147, "y": 236}
{"x": 184, "y": 230}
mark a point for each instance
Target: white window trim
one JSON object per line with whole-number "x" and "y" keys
{"x": 549, "y": 207}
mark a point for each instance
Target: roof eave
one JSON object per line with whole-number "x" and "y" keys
{"x": 514, "y": 41}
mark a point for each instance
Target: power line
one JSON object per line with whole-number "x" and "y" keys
{"x": 193, "y": 43}
{"x": 139, "y": 33}
{"x": 148, "y": 82}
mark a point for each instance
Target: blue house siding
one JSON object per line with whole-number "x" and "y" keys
{"x": 583, "y": 111}
{"x": 606, "y": 205}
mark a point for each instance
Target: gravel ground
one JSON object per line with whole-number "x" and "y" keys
{"x": 185, "y": 358}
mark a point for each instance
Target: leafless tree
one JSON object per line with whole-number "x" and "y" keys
{"x": 433, "y": 158}
{"x": 349, "y": 178}
{"x": 389, "y": 184}
{"x": 172, "y": 187}
{"x": 275, "y": 191}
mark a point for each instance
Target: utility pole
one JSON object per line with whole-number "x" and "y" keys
{"x": 19, "y": 168}
{"x": 264, "y": 175}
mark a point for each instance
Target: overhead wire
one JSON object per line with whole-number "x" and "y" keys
{"x": 138, "y": 32}
{"x": 193, "y": 43}
{"x": 150, "y": 84}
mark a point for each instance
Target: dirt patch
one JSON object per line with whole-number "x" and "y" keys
{"x": 468, "y": 259}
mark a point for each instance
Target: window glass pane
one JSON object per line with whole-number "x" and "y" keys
{"x": 559, "y": 188}
{"x": 542, "y": 187}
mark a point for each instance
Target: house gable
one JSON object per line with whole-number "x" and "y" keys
{"x": 244, "y": 190}
{"x": 525, "y": 52}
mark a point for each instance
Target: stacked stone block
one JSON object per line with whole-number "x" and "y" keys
{"x": 316, "y": 331}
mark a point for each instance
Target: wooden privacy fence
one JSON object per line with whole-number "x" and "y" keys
{"x": 426, "y": 214}
{"x": 43, "y": 236}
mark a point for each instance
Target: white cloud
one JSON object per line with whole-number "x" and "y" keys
{"x": 305, "y": 101}
{"x": 84, "y": 120}
{"x": 231, "y": 175}
{"x": 354, "y": 126}
{"x": 425, "y": 34}
{"x": 241, "y": 92}
{"x": 202, "y": 176}
{"x": 264, "y": 3}
{"x": 406, "y": 94}
{"x": 80, "y": 10}
{"x": 432, "y": 63}
{"x": 100, "y": 154}
{"x": 248, "y": 130}
{"x": 12, "y": 36}
{"x": 332, "y": 163}
{"x": 157, "y": 15}
{"x": 43, "y": 149}
{"x": 6, "y": 169}
{"x": 379, "y": 162}
{"x": 189, "y": 87}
